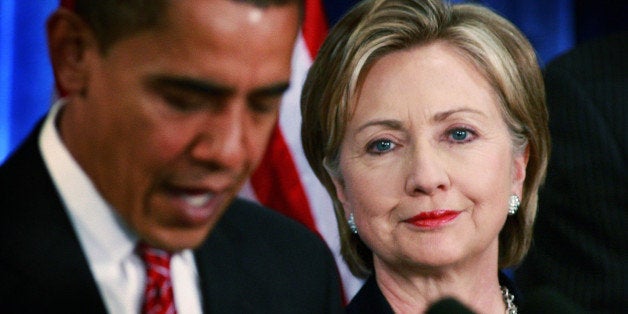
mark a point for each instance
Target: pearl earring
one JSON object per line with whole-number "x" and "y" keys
{"x": 513, "y": 204}
{"x": 352, "y": 225}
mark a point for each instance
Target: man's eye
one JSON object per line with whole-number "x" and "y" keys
{"x": 176, "y": 102}
{"x": 184, "y": 102}
{"x": 381, "y": 146}
{"x": 266, "y": 105}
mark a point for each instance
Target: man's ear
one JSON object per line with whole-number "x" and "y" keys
{"x": 68, "y": 39}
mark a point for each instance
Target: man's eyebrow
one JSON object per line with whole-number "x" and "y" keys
{"x": 190, "y": 84}
{"x": 214, "y": 89}
{"x": 271, "y": 90}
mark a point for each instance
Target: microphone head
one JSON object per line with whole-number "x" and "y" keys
{"x": 449, "y": 306}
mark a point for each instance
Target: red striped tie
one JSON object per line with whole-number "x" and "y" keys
{"x": 158, "y": 295}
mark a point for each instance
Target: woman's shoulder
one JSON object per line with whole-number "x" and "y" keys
{"x": 369, "y": 299}
{"x": 506, "y": 282}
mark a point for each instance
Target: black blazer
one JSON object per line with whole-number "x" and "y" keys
{"x": 371, "y": 300}
{"x": 254, "y": 261}
{"x": 580, "y": 243}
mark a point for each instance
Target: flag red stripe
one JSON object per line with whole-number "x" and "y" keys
{"x": 277, "y": 185}
{"x": 314, "y": 26}
{"x": 276, "y": 181}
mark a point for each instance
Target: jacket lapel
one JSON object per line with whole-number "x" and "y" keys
{"x": 227, "y": 284}
{"x": 41, "y": 245}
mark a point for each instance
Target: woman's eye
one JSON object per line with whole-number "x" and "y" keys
{"x": 461, "y": 135}
{"x": 381, "y": 146}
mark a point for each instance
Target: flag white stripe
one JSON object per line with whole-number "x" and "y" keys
{"x": 319, "y": 201}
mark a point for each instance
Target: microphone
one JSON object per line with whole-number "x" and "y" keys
{"x": 548, "y": 300}
{"x": 448, "y": 306}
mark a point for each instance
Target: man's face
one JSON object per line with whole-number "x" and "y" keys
{"x": 173, "y": 120}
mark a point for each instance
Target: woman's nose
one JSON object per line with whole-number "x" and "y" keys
{"x": 427, "y": 173}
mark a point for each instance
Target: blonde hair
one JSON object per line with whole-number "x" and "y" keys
{"x": 375, "y": 28}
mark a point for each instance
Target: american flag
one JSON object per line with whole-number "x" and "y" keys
{"x": 284, "y": 181}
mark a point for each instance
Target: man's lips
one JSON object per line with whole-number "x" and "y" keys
{"x": 194, "y": 206}
{"x": 434, "y": 218}
{"x": 197, "y": 200}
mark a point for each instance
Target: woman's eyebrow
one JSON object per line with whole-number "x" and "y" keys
{"x": 388, "y": 123}
{"x": 440, "y": 116}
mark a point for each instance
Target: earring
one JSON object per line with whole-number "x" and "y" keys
{"x": 513, "y": 204}
{"x": 352, "y": 225}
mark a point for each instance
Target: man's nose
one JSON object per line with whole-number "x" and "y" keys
{"x": 223, "y": 139}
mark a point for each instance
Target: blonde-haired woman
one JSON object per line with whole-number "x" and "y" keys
{"x": 427, "y": 125}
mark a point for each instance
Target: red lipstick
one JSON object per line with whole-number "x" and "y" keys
{"x": 433, "y": 219}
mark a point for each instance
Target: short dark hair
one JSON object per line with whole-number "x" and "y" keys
{"x": 113, "y": 20}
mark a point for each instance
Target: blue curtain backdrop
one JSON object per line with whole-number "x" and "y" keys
{"x": 26, "y": 85}
{"x": 26, "y": 81}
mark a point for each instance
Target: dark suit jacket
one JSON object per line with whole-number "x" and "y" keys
{"x": 254, "y": 261}
{"x": 371, "y": 300}
{"x": 580, "y": 244}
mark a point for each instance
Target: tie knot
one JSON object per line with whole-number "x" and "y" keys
{"x": 154, "y": 258}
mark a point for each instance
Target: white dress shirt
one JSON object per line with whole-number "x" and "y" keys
{"x": 108, "y": 244}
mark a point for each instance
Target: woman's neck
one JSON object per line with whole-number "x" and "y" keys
{"x": 412, "y": 290}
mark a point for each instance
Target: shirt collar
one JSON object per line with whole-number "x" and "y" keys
{"x": 102, "y": 233}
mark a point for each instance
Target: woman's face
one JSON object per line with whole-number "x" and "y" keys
{"x": 427, "y": 164}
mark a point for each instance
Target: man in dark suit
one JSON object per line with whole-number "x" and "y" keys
{"x": 580, "y": 247}
{"x": 124, "y": 197}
